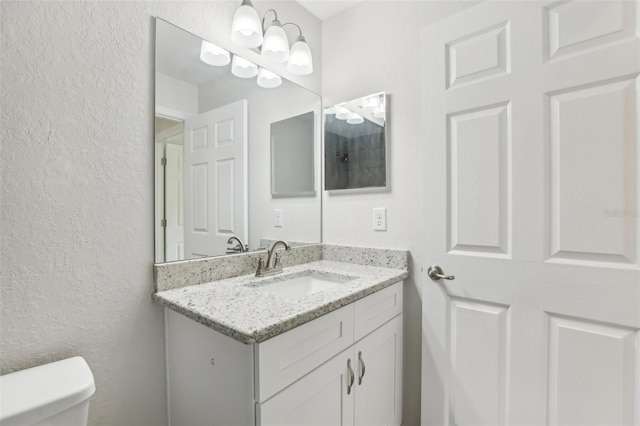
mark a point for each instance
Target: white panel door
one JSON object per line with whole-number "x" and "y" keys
{"x": 215, "y": 178}
{"x": 531, "y": 202}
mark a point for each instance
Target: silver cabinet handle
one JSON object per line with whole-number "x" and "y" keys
{"x": 435, "y": 273}
{"x": 352, "y": 377}
{"x": 362, "y": 367}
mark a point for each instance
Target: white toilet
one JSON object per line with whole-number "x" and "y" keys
{"x": 55, "y": 394}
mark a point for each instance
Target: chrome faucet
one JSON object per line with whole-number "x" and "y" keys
{"x": 239, "y": 248}
{"x": 273, "y": 261}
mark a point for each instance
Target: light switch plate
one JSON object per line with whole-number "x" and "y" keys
{"x": 278, "y": 218}
{"x": 380, "y": 219}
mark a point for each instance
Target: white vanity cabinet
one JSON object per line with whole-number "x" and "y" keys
{"x": 326, "y": 396}
{"x": 343, "y": 368}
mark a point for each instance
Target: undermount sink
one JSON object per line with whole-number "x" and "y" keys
{"x": 298, "y": 286}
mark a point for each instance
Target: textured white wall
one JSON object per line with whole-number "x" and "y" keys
{"x": 374, "y": 47}
{"x": 76, "y": 205}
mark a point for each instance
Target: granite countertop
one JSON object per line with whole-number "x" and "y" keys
{"x": 234, "y": 306}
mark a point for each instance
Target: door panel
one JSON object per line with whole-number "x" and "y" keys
{"x": 531, "y": 113}
{"x": 478, "y": 180}
{"x": 599, "y": 120}
{"x": 479, "y": 357}
{"x": 583, "y": 352}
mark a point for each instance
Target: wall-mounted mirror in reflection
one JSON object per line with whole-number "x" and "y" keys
{"x": 292, "y": 168}
{"x": 356, "y": 145}
{"x": 213, "y": 151}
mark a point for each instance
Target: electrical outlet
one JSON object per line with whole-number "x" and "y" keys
{"x": 278, "y": 218}
{"x": 380, "y": 219}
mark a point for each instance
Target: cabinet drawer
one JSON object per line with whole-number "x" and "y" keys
{"x": 376, "y": 309}
{"x": 285, "y": 358}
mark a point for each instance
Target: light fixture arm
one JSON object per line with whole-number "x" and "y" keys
{"x": 275, "y": 14}
{"x": 300, "y": 37}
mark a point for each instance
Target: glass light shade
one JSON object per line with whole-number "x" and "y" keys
{"x": 355, "y": 119}
{"x": 300, "y": 59}
{"x": 242, "y": 68}
{"x": 379, "y": 112}
{"x": 214, "y": 55}
{"x": 268, "y": 80}
{"x": 246, "y": 28}
{"x": 372, "y": 104}
{"x": 342, "y": 113}
{"x": 331, "y": 110}
{"x": 276, "y": 44}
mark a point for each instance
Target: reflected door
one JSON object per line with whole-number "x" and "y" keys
{"x": 174, "y": 200}
{"x": 215, "y": 177}
{"x": 531, "y": 203}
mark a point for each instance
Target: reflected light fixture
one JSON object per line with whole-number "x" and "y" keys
{"x": 268, "y": 80}
{"x": 342, "y": 113}
{"x": 246, "y": 28}
{"x": 214, "y": 55}
{"x": 355, "y": 118}
{"x": 248, "y": 31}
{"x": 372, "y": 104}
{"x": 242, "y": 68}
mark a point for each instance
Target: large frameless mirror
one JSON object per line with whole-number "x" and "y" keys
{"x": 356, "y": 145}
{"x": 214, "y": 113}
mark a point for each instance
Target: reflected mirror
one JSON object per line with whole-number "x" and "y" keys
{"x": 214, "y": 117}
{"x": 292, "y": 166}
{"x": 356, "y": 145}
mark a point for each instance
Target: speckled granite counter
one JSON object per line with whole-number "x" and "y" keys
{"x": 235, "y": 308}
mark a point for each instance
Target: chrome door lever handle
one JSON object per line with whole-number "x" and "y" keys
{"x": 435, "y": 273}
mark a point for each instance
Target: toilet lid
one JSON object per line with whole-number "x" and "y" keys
{"x": 36, "y": 393}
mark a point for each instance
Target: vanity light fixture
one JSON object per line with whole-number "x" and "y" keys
{"x": 214, "y": 55}
{"x": 300, "y": 60}
{"x": 276, "y": 44}
{"x": 331, "y": 110}
{"x": 268, "y": 80}
{"x": 342, "y": 113}
{"x": 355, "y": 119}
{"x": 247, "y": 31}
{"x": 372, "y": 104}
{"x": 246, "y": 28}
{"x": 242, "y": 68}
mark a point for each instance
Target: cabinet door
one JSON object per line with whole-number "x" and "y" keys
{"x": 319, "y": 398}
{"x": 379, "y": 376}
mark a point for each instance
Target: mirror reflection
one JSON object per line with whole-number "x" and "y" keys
{"x": 214, "y": 114}
{"x": 356, "y": 144}
{"x": 292, "y": 166}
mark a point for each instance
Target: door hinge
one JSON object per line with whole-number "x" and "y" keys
{"x": 164, "y": 161}
{"x": 163, "y": 223}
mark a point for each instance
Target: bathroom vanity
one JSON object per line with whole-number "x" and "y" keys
{"x": 256, "y": 351}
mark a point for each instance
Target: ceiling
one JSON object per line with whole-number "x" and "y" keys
{"x": 325, "y": 9}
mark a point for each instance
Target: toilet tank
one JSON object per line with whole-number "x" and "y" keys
{"x": 52, "y": 394}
